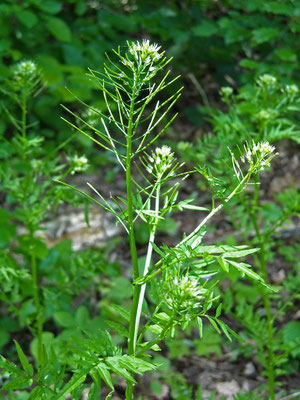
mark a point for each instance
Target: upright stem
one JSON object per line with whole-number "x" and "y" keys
{"x": 35, "y": 290}
{"x": 24, "y": 112}
{"x": 134, "y": 258}
{"x": 147, "y": 263}
{"x": 265, "y": 294}
{"x": 34, "y": 273}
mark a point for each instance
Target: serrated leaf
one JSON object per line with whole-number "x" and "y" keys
{"x": 105, "y": 375}
{"x": 23, "y": 359}
{"x": 122, "y": 311}
{"x": 10, "y": 367}
{"x": 119, "y": 328}
{"x": 22, "y": 382}
{"x": 36, "y": 393}
{"x": 115, "y": 366}
{"x": 137, "y": 365}
{"x": 242, "y": 267}
{"x": 73, "y": 383}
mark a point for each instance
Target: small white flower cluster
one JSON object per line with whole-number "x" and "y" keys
{"x": 226, "y": 92}
{"x": 26, "y": 70}
{"x": 144, "y": 51}
{"x": 160, "y": 160}
{"x": 185, "y": 292}
{"x": 78, "y": 164}
{"x": 264, "y": 115}
{"x": 291, "y": 89}
{"x": 258, "y": 156}
{"x": 267, "y": 81}
{"x": 92, "y": 116}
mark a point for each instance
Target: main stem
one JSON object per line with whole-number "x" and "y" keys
{"x": 147, "y": 263}
{"x": 265, "y": 294}
{"x": 136, "y": 289}
{"x": 34, "y": 273}
{"x": 35, "y": 290}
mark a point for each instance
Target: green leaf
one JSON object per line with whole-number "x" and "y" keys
{"x": 224, "y": 327}
{"x": 291, "y": 331}
{"x": 122, "y": 311}
{"x": 73, "y": 383}
{"x": 95, "y": 390}
{"x": 49, "y": 6}
{"x": 64, "y": 319}
{"x": 22, "y": 382}
{"x": 117, "y": 367}
{"x": 136, "y": 365}
{"x": 223, "y": 263}
{"x": 155, "y": 329}
{"x": 59, "y": 29}
{"x": 218, "y": 311}
{"x": 242, "y": 267}
{"x": 286, "y": 54}
{"x": 262, "y": 35}
{"x": 200, "y": 326}
{"x": 205, "y": 29}
{"x": 25, "y": 364}
{"x": 10, "y": 367}
{"x": 27, "y": 18}
{"x": 105, "y": 375}
{"x": 119, "y": 328}
{"x": 212, "y": 321}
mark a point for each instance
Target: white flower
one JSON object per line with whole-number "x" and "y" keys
{"x": 264, "y": 115}
{"x": 291, "y": 89}
{"x": 144, "y": 51}
{"x": 78, "y": 164}
{"x": 185, "y": 291}
{"x": 258, "y": 156}
{"x": 92, "y": 116}
{"x": 226, "y": 91}
{"x": 26, "y": 70}
{"x": 267, "y": 81}
{"x": 160, "y": 160}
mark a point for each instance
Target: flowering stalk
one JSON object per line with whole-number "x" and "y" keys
{"x": 136, "y": 116}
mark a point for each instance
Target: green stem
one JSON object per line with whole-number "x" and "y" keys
{"x": 147, "y": 263}
{"x": 24, "y": 112}
{"x": 134, "y": 258}
{"x": 35, "y": 291}
{"x": 265, "y": 293}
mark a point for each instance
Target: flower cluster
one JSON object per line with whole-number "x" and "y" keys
{"x": 226, "y": 92}
{"x": 26, "y": 76}
{"x": 78, "y": 164}
{"x": 258, "y": 156}
{"x": 185, "y": 294}
{"x": 267, "y": 81}
{"x": 291, "y": 89}
{"x": 160, "y": 161}
{"x": 145, "y": 52}
{"x": 91, "y": 116}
